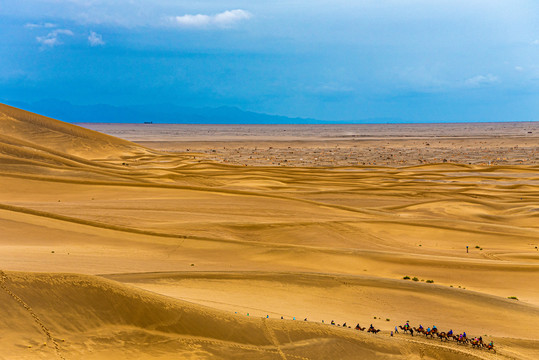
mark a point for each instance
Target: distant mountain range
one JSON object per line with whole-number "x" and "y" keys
{"x": 165, "y": 114}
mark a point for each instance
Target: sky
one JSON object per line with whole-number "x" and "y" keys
{"x": 410, "y": 60}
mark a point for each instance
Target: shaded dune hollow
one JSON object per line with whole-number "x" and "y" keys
{"x": 112, "y": 250}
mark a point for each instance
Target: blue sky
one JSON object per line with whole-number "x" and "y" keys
{"x": 415, "y": 60}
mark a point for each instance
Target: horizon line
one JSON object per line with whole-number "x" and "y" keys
{"x": 320, "y": 122}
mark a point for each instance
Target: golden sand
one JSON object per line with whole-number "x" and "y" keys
{"x": 112, "y": 250}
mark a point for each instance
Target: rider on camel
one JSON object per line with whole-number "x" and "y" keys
{"x": 450, "y": 332}
{"x": 420, "y": 327}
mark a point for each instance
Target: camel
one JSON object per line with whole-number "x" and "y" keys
{"x": 443, "y": 335}
{"x": 373, "y": 330}
{"x": 404, "y": 328}
{"x": 489, "y": 347}
{"x": 360, "y": 328}
{"x": 475, "y": 343}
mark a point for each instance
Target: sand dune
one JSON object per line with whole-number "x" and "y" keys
{"x": 197, "y": 241}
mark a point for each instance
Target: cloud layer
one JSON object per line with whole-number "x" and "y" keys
{"x": 222, "y": 20}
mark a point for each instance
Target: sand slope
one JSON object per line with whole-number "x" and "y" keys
{"x": 84, "y": 317}
{"x": 322, "y": 243}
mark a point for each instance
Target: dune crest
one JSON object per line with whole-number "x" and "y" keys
{"x": 42, "y": 134}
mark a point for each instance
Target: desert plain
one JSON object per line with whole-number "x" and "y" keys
{"x": 156, "y": 241}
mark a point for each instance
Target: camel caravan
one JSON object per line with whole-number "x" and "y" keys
{"x": 463, "y": 339}
{"x": 371, "y": 328}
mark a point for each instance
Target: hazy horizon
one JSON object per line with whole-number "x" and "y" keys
{"x": 108, "y": 114}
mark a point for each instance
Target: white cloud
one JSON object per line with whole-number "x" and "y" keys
{"x": 37, "y": 26}
{"x": 223, "y": 20}
{"x": 51, "y": 39}
{"x": 95, "y": 39}
{"x": 480, "y": 80}
{"x": 535, "y": 42}
{"x": 193, "y": 20}
{"x": 230, "y": 17}
{"x": 519, "y": 68}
